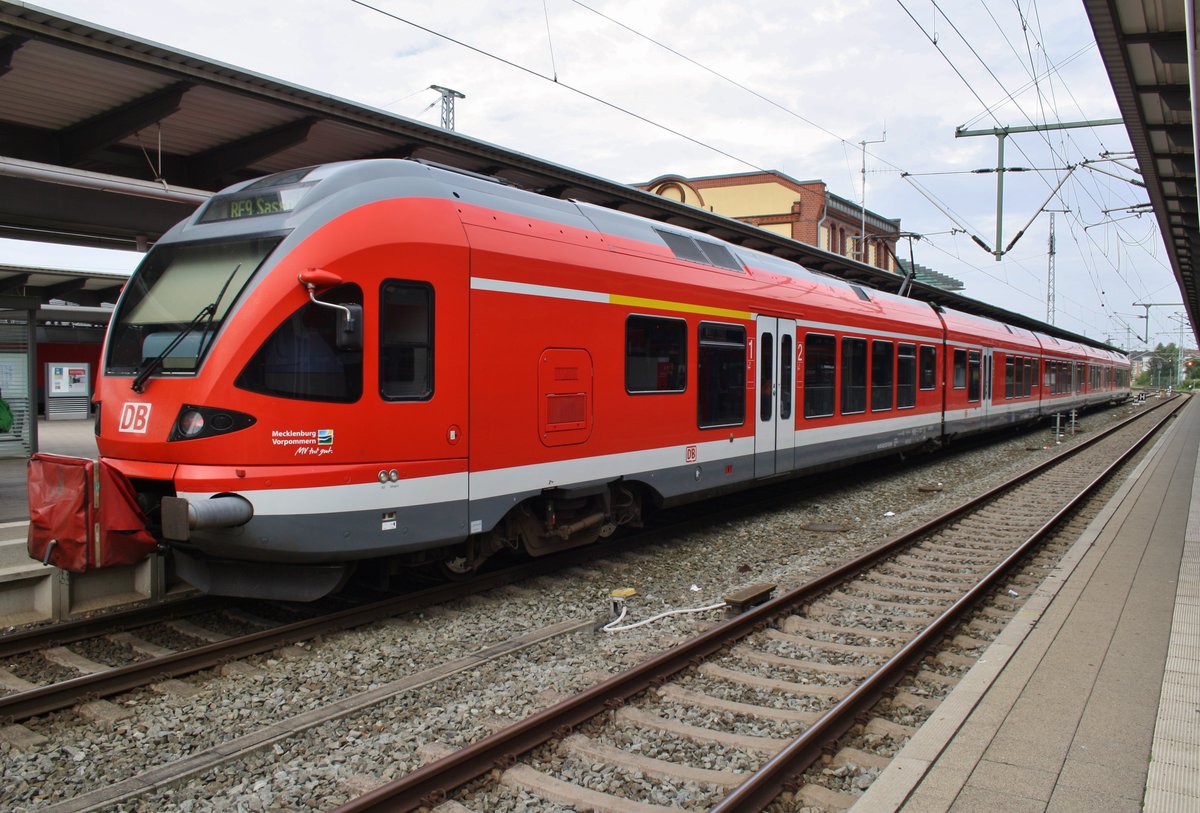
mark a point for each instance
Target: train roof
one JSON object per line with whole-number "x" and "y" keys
{"x": 344, "y": 185}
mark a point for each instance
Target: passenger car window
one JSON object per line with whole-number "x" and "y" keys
{"x": 406, "y": 341}
{"x": 721, "y": 374}
{"x": 655, "y": 354}
{"x": 928, "y": 367}
{"x": 881, "y": 375}
{"x": 820, "y": 374}
{"x": 906, "y": 376}
{"x": 960, "y": 369}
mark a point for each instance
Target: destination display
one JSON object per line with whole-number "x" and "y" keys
{"x": 252, "y": 204}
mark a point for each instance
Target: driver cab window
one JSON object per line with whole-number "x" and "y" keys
{"x": 301, "y": 358}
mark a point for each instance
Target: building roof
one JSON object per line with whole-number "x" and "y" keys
{"x": 60, "y": 295}
{"x": 930, "y": 277}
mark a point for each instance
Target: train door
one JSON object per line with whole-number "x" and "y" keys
{"x": 422, "y": 422}
{"x": 775, "y": 386}
{"x": 986, "y": 401}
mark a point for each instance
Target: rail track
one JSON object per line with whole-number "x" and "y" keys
{"x": 53, "y": 667}
{"x": 56, "y": 666}
{"x": 252, "y": 744}
{"x": 735, "y": 717}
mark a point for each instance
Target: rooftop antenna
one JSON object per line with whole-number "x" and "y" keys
{"x": 862, "y": 235}
{"x": 448, "y": 97}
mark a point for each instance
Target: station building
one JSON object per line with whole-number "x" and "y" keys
{"x": 52, "y": 324}
{"x": 800, "y": 210}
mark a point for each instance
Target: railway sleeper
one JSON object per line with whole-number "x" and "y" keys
{"x": 880, "y": 650}
{"x": 796, "y": 624}
{"x": 747, "y": 653}
{"x": 882, "y": 727}
{"x": 689, "y": 697}
{"x": 584, "y": 748}
{"x": 768, "y": 746}
{"x": 950, "y": 585}
{"x": 926, "y": 596}
{"x": 551, "y": 789}
{"x": 913, "y": 613}
{"x": 774, "y": 684}
{"x": 857, "y": 758}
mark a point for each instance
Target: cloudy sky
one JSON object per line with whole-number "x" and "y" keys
{"x": 633, "y": 89}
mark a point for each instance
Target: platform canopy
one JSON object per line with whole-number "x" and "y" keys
{"x": 1152, "y": 66}
{"x": 108, "y": 140}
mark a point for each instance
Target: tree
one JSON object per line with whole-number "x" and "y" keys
{"x": 1163, "y": 366}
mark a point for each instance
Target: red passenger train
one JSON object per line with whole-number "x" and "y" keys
{"x": 388, "y": 361}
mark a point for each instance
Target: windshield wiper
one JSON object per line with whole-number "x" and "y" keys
{"x": 200, "y": 349}
{"x": 152, "y": 366}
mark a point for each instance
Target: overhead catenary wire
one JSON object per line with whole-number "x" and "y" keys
{"x": 1072, "y": 215}
{"x": 554, "y": 81}
{"x": 1052, "y": 73}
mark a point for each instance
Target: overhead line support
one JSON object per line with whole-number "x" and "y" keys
{"x": 1002, "y": 133}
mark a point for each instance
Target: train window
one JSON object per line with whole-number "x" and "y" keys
{"x": 928, "y": 367}
{"x": 301, "y": 359}
{"x": 766, "y": 376}
{"x": 406, "y": 341}
{"x": 786, "y": 387}
{"x": 721, "y": 375}
{"x": 1031, "y": 374}
{"x": 1009, "y": 376}
{"x": 974, "y": 376}
{"x": 180, "y": 296}
{"x": 906, "y": 377}
{"x": 960, "y": 369}
{"x": 854, "y": 375}
{"x": 881, "y": 375}
{"x": 820, "y": 374}
{"x": 719, "y": 256}
{"x": 682, "y": 246}
{"x": 655, "y": 354}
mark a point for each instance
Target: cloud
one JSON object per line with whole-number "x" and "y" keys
{"x": 832, "y": 75}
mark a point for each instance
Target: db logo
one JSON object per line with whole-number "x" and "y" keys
{"x": 134, "y": 418}
{"x": 689, "y": 454}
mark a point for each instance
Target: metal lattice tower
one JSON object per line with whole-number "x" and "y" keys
{"x": 448, "y": 97}
{"x": 1050, "y": 276}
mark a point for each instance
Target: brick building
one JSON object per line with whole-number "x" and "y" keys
{"x": 802, "y": 210}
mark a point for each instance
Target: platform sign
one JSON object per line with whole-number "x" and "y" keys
{"x": 68, "y": 390}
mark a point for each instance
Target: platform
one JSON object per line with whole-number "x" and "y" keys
{"x": 31, "y": 592}
{"x": 1089, "y": 701}
{"x": 76, "y": 438}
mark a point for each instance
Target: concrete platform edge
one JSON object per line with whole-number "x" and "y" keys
{"x": 1174, "y": 773}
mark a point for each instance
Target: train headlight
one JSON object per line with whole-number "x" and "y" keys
{"x": 191, "y": 423}
{"x": 195, "y": 422}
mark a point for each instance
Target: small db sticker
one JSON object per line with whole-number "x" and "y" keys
{"x": 689, "y": 454}
{"x": 134, "y": 418}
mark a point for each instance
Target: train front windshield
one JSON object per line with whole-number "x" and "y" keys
{"x": 176, "y": 302}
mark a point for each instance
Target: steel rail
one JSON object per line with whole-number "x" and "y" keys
{"x": 430, "y": 784}
{"x": 784, "y": 770}
{"x": 44, "y": 699}
{"x": 65, "y": 632}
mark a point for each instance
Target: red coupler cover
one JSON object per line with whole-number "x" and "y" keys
{"x": 123, "y": 535}
{"x": 60, "y": 511}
